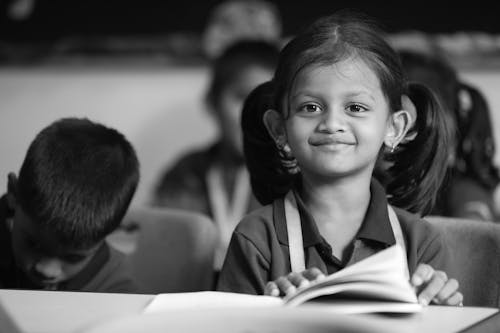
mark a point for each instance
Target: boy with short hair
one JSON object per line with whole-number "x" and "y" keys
{"x": 73, "y": 189}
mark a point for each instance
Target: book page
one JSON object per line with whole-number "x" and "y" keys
{"x": 209, "y": 300}
{"x": 380, "y": 276}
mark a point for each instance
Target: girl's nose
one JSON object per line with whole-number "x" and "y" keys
{"x": 333, "y": 120}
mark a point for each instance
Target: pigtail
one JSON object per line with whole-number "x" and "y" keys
{"x": 419, "y": 166}
{"x": 268, "y": 177}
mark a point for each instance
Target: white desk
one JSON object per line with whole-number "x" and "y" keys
{"x": 48, "y": 311}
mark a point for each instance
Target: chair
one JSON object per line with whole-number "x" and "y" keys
{"x": 169, "y": 250}
{"x": 475, "y": 258}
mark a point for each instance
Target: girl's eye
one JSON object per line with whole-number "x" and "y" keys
{"x": 355, "y": 108}
{"x": 310, "y": 108}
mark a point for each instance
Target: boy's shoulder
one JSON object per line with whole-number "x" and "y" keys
{"x": 114, "y": 276}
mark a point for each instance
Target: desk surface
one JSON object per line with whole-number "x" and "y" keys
{"x": 49, "y": 311}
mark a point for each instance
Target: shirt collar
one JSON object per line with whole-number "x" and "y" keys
{"x": 89, "y": 271}
{"x": 375, "y": 227}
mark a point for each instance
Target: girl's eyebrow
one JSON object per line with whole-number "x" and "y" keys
{"x": 360, "y": 94}
{"x": 304, "y": 93}
{"x": 351, "y": 94}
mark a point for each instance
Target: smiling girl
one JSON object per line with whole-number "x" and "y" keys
{"x": 337, "y": 107}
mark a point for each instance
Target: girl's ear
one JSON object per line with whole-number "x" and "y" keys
{"x": 400, "y": 123}
{"x": 275, "y": 125}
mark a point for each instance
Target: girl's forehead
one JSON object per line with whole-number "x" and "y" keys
{"x": 351, "y": 72}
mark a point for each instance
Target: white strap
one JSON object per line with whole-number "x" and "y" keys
{"x": 294, "y": 230}
{"x": 227, "y": 210}
{"x": 398, "y": 235}
{"x": 295, "y": 239}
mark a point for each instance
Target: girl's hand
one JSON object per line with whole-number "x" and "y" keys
{"x": 288, "y": 284}
{"x": 434, "y": 286}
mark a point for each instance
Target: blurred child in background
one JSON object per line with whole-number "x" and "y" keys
{"x": 73, "y": 189}
{"x": 234, "y": 20}
{"x": 472, "y": 176}
{"x": 214, "y": 180}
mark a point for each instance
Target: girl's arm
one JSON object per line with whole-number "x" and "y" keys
{"x": 245, "y": 269}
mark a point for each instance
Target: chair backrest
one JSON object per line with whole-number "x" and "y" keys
{"x": 169, "y": 250}
{"x": 475, "y": 258}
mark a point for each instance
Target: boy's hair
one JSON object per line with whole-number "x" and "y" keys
{"x": 238, "y": 56}
{"x": 418, "y": 166}
{"x": 77, "y": 180}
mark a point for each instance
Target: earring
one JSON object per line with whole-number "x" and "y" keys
{"x": 288, "y": 161}
{"x": 393, "y": 147}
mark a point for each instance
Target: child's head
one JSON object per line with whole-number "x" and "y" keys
{"x": 338, "y": 94}
{"x": 467, "y": 113}
{"x": 73, "y": 189}
{"x": 234, "y": 20}
{"x": 242, "y": 67}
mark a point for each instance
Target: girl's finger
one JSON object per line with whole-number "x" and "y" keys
{"x": 313, "y": 274}
{"x": 285, "y": 286}
{"x": 422, "y": 274}
{"x": 298, "y": 280}
{"x": 271, "y": 289}
{"x": 456, "y": 299}
{"x": 432, "y": 288}
{"x": 450, "y": 287}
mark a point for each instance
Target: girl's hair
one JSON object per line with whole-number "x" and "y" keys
{"x": 418, "y": 166}
{"x": 268, "y": 179}
{"x": 476, "y": 148}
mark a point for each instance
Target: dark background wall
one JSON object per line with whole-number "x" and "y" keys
{"x": 52, "y": 19}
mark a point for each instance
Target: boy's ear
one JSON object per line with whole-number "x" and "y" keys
{"x": 275, "y": 125}
{"x": 12, "y": 190}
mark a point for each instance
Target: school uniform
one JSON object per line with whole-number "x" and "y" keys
{"x": 259, "y": 251}
{"x": 105, "y": 272}
{"x": 197, "y": 182}
{"x": 184, "y": 185}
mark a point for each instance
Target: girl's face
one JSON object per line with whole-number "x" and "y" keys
{"x": 231, "y": 103}
{"x": 338, "y": 119}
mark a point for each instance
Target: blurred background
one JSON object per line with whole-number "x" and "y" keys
{"x": 142, "y": 66}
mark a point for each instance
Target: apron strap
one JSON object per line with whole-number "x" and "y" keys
{"x": 294, "y": 230}
{"x": 398, "y": 235}
{"x": 295, "y": 239}
{"x": 227, "y": 210}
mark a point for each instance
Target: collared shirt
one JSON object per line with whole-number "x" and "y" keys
{"x": 259, "y": 252}
{"x": 184, "y": 184}
{"x": 105, "y": 272}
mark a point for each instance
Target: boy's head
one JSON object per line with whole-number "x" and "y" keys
{"x": 243, "y": 66}
{"x": 73, "y": 189}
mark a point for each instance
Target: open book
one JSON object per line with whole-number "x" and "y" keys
{"x": 374, "y": 284}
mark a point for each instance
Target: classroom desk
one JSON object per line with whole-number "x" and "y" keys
{"x": 49, "y": 311}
